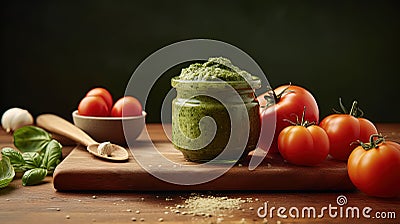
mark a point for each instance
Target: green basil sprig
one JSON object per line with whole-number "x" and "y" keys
{"x": 40, "y": 156}
{"x": 6, "y": 172}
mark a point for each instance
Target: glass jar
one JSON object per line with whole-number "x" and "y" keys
{"x": 224, "y": 102}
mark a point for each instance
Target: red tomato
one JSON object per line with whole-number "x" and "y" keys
{"x": 104, "y": 94}
{"x": 93, "y": 106}
{"x": 374, "y": 168}
{"x": 303, "y": 144}
{"x": 289, "y": 102}
{"x": 345, "y": 129}
{"x": 127, "y": 106}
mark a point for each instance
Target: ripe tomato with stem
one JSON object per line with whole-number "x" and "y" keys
{"x": 286, "y": 101}
{"x": 303, "y": 143}
{"x": 374, "y": 167}
{"x": 344, "y": 129}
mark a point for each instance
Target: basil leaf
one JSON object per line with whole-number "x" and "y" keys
{"x": 31, "y": 139}
{"x": 15, "y": 157}
{"x": 6, "y": 172}
{"x": 33, "y": 176}
{"x": 32, "y": 160}
{"x": 52, "y": 155}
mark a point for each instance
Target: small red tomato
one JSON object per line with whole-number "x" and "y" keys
{"x": 289, "y": 100}
{"x": 127, "y": 106}
{"x": 345, "y": 129}
{"x": 374, "y": 167}
{"x": 105, "y": 94}
{"x": 93, "y": 106}
{"x": 303, "y": 144}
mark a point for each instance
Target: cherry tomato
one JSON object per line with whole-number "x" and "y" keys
{"x": 289, "y": 101}
{"x": 93, "y": 106}
{"x": 127, "y": 106}
{"x": 103, "y": 93}
{"x": 345, "y": 129}
{"x": 303, "y": 144}
{"x": 374, "y": 167}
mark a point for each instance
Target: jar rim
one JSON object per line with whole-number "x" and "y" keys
{"x": 254, "y": 83}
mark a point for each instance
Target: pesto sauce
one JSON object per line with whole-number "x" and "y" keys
{"x": 213, "y": 70}
{"x": 192, "y": 104}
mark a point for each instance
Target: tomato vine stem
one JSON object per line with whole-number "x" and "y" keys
{"x": 355, "y": 111}
{"x": 276, "y": 97}
{"x": 303, "y": 121}
{"x": 372, "y": 142}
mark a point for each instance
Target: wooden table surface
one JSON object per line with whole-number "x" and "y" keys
{"x": 42, "y": 204}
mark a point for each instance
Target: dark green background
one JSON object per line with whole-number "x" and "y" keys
{"x": 52, "y": 53}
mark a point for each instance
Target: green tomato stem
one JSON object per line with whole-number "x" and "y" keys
{"x": 373, "y": 144}
{"x": 355, "y": 111}
{"x": 277, "y": 97}
{"x": 303, "y": 122}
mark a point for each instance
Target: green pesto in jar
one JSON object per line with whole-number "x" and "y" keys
{"x": 196, "y": 87}
{"x": 215, "y": 69}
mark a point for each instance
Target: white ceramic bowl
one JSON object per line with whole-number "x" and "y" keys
{"x": 110, "y": 129}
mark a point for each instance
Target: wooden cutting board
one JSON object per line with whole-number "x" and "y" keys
{"x": 82, "y": 171}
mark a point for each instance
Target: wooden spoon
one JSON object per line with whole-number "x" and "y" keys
{"x": 58, "y": 125}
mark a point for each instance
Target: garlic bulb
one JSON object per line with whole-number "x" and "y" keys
{"x": 15, "y": 118}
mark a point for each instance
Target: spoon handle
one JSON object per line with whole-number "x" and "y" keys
{"x": 58, "y": 125}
